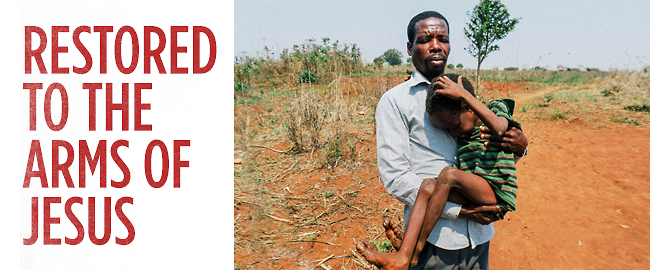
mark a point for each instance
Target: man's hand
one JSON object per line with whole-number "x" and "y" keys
{"x": 483, "y": 215}
{"x": 513, "y": 140}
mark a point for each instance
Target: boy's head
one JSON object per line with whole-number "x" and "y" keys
{"x": 448, "y": 114}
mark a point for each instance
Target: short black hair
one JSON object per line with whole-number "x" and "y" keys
{"x": 410, "y": 30}
{"x": 436, "y": 103}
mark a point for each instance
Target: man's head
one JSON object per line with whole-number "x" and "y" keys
{"x": 428, "y": 43}
{"x": 448, "y": 114}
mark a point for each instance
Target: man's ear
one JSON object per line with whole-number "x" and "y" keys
{"x": 408, "y": 48}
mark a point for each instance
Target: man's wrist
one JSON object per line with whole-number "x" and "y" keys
{"x": 462, "y": 213}
{"x": 452, "y": 211}
{"x": 522, "y": 154}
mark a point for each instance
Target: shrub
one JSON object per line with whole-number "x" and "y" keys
{"x": 624, "y": 120}
{"x": 240, "y": 87}
{"x": 558, "y": 115}
{"x": 638, "y": 108}
{"x": 548, "y": 98}
{"x": 304, "y": 125}
{"x": 610, "y": 92}
{"x": 307, "y": 77}
{"x": 333, "y": 154}
{"x": 339, "y": 148}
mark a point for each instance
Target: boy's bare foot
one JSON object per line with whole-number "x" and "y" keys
{"x": 414, "y": 261}
{"x": 387, "y": 261}
{"x": 393, "y": 233}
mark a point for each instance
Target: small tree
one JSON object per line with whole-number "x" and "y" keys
{"x": 393, "y": 57}
{"x": 488, "y": 22}
{"x": 459, "y": 66}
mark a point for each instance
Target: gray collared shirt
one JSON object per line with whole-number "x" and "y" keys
{"x": 410, "y": 149}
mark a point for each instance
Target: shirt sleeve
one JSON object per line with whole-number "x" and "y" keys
{"x": 500, "y": 108}
{"x": 393, "y": 147}
{"x": 392, "y": 153}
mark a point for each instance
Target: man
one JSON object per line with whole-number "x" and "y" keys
{"x": 410, "y": 149}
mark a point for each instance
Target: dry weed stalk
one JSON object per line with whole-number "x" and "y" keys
{"x": 304, "y": 124}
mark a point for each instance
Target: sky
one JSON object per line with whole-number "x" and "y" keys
{"x": 609, "y": 35}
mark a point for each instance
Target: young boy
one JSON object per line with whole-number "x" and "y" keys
{"x": 453, "y": 107}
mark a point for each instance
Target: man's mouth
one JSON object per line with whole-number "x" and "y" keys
{"x": 437, "y": 59}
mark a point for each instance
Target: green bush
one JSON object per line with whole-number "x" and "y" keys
{"x": 307, "y": 77}
{"x": 240, "y": 87}
{"x": 610, "y": 92}
{"x": 638, "y": 108}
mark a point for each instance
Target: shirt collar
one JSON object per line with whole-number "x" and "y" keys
{"x": 418, "y": 78}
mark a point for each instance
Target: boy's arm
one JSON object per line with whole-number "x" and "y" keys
{"x": 484, "y": 214}
{"x": 514, "y": 140}
{"x": 498, "y": 125}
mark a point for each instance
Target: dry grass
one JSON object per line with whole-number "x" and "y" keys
{"x": 295, "y": 142}
{"x": 599, "y": 102}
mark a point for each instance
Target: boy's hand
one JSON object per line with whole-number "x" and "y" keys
{"x": 483, "y": 215}
{"x": 514, "y": 140}
{"x": 451, "y": 89}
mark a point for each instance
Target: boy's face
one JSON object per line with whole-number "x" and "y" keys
{"x": 460, "y": 124}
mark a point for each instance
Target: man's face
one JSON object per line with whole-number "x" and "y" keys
{"x": 430, "y": 47}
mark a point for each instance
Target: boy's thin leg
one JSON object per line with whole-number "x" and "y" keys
{"x": 417, "y": 218}
{"x": 394, "y": 232}
{"x": 456, "y": 197}
{"x": 403, "y": 257}
{"x": 473, "y": 187}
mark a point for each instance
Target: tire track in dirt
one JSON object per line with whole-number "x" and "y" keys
{"x": 531, "y": 96}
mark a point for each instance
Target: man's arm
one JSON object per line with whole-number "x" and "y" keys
{"x": 392, "y": 153}
{"x": 393, "y": 157}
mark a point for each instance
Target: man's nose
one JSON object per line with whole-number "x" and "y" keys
{"x": 434, "y": 46}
